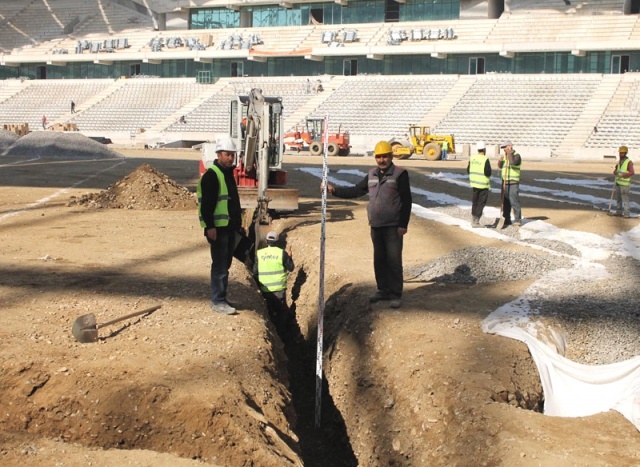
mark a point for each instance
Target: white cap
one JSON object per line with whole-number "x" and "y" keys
{"x": 272, "y": 236}
{"x": 226, "y": 144}
{"x": 480, "y": 145}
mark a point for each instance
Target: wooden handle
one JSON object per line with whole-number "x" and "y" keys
{"x": 130, "y": 315}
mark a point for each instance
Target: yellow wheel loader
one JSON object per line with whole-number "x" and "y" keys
{"x": 421, "y": 141}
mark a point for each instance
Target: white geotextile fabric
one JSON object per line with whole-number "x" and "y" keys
{"x": 573, "y": 389}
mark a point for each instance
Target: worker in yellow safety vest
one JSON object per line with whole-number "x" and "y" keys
{"x": 510, "y": 163}
{"x": 445, "y": 150}
{"x": 623, "y": 172}
{"x": 221, "y": 218}
{"x": 270, "y": 268}
{"x": 479, "y": 170}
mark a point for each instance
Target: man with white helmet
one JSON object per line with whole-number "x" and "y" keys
{"x": 389, "y": 210}
{"x": 221, "y": 217}
{"x": 479, "y": 170}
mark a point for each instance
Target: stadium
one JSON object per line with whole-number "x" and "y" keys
{"x": 558, "y": 78}
{"x": 516, "y": 343}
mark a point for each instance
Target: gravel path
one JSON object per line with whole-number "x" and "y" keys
{"x": 600, "y": 318}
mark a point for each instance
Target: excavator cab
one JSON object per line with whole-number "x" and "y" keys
{"x": 315, "y": 128}
{"x": 256, "y": 127}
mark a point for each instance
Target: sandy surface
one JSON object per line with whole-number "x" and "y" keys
{"x": 418, "y": 386}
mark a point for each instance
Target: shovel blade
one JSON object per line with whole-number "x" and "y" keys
{"x": 500, "y": 223}
{"x": 85, "y": 329}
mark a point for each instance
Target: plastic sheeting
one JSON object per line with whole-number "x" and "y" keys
{"x": 573, "y": 389}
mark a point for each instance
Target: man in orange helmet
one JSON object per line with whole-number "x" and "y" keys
{"x": 623, "y": 172}
{"x": 388, "y": 210}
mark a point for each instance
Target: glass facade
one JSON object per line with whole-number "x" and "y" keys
{"x": 213, "y": 18}
{"x": 357, "y": 11}
{"x": 416, "y": 10}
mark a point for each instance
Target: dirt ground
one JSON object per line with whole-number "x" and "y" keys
{"x": 418, "y": 386}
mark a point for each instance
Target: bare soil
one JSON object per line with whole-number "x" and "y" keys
{"x": 422, "y": 385}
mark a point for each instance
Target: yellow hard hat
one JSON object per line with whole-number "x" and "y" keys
{"x": 623, "y": 149}
{"x": 382, "y": 147}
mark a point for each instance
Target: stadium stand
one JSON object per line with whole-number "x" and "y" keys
{"x": 567, "y": 71}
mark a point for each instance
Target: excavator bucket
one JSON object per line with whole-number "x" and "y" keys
{"x": 280, "y": 199}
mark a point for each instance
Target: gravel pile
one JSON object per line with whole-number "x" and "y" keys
{"x": 600, "y": 319}
{"x": 478, "y": 264}
{"x": 58, "y": 145}
{"x": 145, "y": 188}
{"x": 7, "y": 138}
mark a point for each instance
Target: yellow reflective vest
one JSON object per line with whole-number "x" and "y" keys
{"x": 622, "y": 168}
{"x": 511, "y": 173}
{"x": 221, "y": 212}
{"x": 477, "y": 178}
{"x": 271, "y": 272}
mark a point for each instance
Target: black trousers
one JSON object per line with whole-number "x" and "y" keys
{"x": 479, "y": 201}
{"x": 387, "y": 260}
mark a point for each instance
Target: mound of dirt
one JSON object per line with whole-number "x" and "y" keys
{"x": 56, "y": 145}
{"x": 145, "y": 188}
{"x": 7, "y": 138}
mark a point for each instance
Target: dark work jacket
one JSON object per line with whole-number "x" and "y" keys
{"x": 389, "y": 196}
{"x": 210, "y": 187}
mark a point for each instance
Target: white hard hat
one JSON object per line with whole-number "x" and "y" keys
{"x": 272, "y": 236}
{"x": 226, "y": 144}
{"x": 480, "y": 145}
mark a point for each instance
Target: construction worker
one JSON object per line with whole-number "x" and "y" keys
{"x": 445, "y": 149}
{"x": 510, "y": 163}
{"x": 389, "y": 210}
{"x": 221, "y": 217}
{"x": 623, "y": 172}
{"x": 270, "y": 268}
{"x": 479, "y": 170}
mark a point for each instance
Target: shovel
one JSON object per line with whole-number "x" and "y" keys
{"x": 85, "y": 328}
{"x": 613, "y": 191}
{"x": 502, "y": 219}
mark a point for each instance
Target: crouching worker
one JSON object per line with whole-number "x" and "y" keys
{"x": 270, "y": 268}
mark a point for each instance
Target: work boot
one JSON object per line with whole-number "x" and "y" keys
{"x": 627, "y": 215}
{"x": 223, "y": 308}
{"x": 395, "y": 303}
{"x": 475, "y": 222}
{"x": 378, "y": 297}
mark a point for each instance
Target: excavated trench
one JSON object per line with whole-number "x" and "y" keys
{"x": 327, "y": 445}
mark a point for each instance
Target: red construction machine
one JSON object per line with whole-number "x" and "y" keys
{"x": 311, "y": 139}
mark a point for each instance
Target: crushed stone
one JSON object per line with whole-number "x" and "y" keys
{"x": 58, "y": 145}
{"x": 7, "y": 138}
